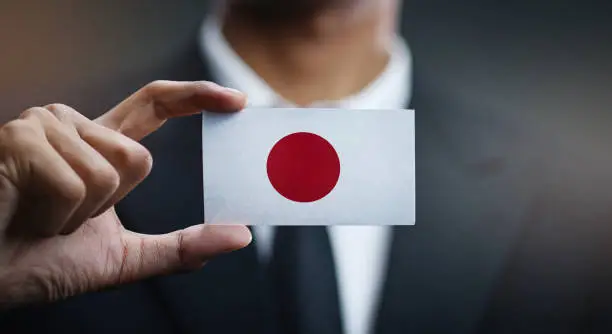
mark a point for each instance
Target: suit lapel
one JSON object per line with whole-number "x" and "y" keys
{"x": 442, "y": 270}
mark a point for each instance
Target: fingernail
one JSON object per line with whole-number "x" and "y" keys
{"x": 236, "y": 236}
{"x": 242, "y": 236}
{"x": 234, "y": 91}
{"x": 239, "y": 99}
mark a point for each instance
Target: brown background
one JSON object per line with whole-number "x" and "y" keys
{"x": 544, "y": 59}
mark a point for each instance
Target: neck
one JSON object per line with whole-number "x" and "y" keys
{"x": 326, "y": 56}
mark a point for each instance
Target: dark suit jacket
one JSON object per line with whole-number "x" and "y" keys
{"x": 507, "y": 239}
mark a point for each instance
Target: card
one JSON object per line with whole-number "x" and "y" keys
{"x": 293, "y": 166}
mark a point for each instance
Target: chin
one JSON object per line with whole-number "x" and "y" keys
{"x": 290, "y": 9}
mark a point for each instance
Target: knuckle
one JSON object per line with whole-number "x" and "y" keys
{"x": 157, "y": 84}
{"x": 60, "y": 111}
{"x": 103, "y": 177}
{"x": 73, "y": 190}
{"x": 19, "y": 136}
{"x": 35, "y": 112}
{"x": 57, "y": 107}
{"x": 19, "y": 128}
{"x": 135, "y": 159}
{"x": 181, "y": 251}
{"x": 152, "y": 88}
{"x": 123, "y": 271}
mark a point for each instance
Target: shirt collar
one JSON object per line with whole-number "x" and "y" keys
{"x": 391, "y": 90}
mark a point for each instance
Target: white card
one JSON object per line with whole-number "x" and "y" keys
{"x": 291, "y": 166}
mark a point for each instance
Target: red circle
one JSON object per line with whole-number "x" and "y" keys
{"x": 303, "y": 167}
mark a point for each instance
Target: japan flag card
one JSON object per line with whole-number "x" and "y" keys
{"x": 292, "y": 166}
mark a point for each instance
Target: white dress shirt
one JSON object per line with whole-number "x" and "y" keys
{"x": 360, "y": 252}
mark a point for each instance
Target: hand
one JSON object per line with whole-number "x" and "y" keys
{"x": 60, "y": 176}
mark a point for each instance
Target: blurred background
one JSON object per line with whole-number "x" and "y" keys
{"x": 547, "y": 63}
{"x": 537, "y": 57}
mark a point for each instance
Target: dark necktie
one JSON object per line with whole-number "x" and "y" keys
{"x": 303, "y": 281}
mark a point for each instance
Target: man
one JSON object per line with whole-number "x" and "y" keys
{"x": 506, "y": 241}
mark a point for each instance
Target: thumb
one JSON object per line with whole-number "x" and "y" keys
{"x": 145, "y": 256}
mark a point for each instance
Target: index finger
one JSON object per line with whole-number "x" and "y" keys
{"x": 147, "y": 109}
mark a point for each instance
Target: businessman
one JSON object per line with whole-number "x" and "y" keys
{"x": 506, "y": 239}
